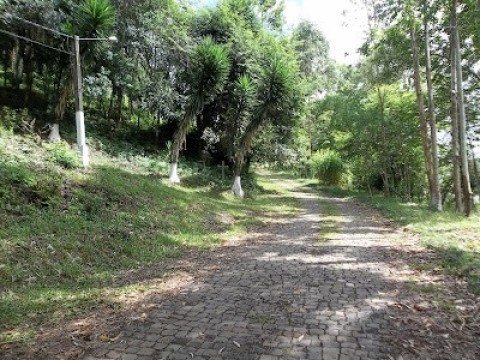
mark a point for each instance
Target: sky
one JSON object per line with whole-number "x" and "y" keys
{"x": 343, "y": 23}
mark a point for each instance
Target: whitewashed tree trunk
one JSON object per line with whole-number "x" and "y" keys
{"x": 173, "y": 174}
{"x": 54, "y": 135}
{"x": 237, "y": 187}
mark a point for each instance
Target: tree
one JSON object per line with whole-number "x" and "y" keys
{"x": 209, "y": 68}
{"x": 460, "y": 107}
{"x": 436, "y": 197}
{"x": 421, "y": 108}
{"x": 312, "y": 49}
{"x": 317, "y": 72}
{"x": 275, "y": 102}
{"x": 402, "y": 16}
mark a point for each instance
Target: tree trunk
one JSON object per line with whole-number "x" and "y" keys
{"x": 462, "y": 119}
{"x": 421, "y": 110}
{"x": 436, "y": 197}
{"x": 457, "y": 179}
{"x": 242, "y": 149}
{"x": 5, "y": 68}
{"x": 29, "y": 73}
{"x": 130, "y": 103}
{"x": 15, "y": 61}
{"x": 61, "y": 107}
{"x": 110, "y": 104}
{"x": 118, "y": 106}
{"x": 178, "y": 139}
{"x": 475, "y": 171}
{"x": 237, "y": 182}
{"x": 409, "y": 185}
{"x": 386, "y": 175}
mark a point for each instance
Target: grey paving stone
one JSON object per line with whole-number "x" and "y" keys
{"x": 280, "y": 294}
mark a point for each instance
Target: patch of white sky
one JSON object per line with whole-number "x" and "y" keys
{"x": 343, "y": 22}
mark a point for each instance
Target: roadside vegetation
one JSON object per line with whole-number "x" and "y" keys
{"x": 68, "y": 233}
{"x": 454, "y": 237}
{"x": 199, "y": 94}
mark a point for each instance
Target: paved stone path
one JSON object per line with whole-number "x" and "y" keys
{"x": 280, "y": 294}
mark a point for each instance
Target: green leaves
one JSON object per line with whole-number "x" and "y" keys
{"x": 209, "y": 69}
{"x": 245, "y": 86}
{"x": 312, "y": 48}
{"x": 95, "y": 16}
{"x": 328, "y": 167}
{"x": 276, "y": 87}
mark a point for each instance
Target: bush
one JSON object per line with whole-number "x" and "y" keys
{"x": 11, "y": 118}
{"x": 24, "y": 187}
{"x": 62, "y": 154}
{"x": 327, "y": 166}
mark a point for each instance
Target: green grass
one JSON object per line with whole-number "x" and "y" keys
{"x": 330, "y": 217}
{"x": 262, "y": 319}
{"x": 69, "y": 233}
{"x": 453, "y": 236}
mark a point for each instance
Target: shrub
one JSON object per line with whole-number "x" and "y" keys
{"x": 62, "y": 154}
{"x": 327, "y": 166}
{"x": 12, "y": 118}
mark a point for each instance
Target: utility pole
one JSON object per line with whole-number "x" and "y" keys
{"x": 79, "y": 114}
{"x": 77, "y": 79}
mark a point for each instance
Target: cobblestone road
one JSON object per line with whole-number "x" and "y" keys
{"x": 281, "y": 294}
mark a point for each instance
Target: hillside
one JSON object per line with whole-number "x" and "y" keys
{"x": 70, "y": 235}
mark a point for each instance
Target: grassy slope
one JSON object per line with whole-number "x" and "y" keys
{"x": 454, "y": 237}
{"x": 66, "y": 233}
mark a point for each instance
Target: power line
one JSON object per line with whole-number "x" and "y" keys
{"x": 35, "y": 42}
{"x": 41, "y": 26}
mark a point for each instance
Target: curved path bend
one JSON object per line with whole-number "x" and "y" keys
{"x": 288, "y": 291}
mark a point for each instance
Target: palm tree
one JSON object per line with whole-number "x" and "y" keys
{"x": 275, "y": 101}
{"x": 90, "y": 19}
{"x": 209, "y": 68}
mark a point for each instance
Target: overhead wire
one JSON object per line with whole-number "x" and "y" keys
{"x": 41, "y": 26}
{"x": 34, "y": 42}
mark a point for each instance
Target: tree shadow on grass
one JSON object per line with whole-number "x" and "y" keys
{"x": 101, "y": 225}
{"x": 462, "y": 263}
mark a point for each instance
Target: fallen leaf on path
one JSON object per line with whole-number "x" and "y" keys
{"x": 236, "y": 344}
{"x": 103, "y": 338}
{"x": 422, "y": 306}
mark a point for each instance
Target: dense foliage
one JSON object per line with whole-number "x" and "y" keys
{"x": 230, "y": 83}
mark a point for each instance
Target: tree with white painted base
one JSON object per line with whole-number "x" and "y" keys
{"x": 209, "y": 68}
{"x": 275, "y": 95}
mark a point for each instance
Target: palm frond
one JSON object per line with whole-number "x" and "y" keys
{"x": 93, "y": 17}
{"x": 209, "y": 69}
